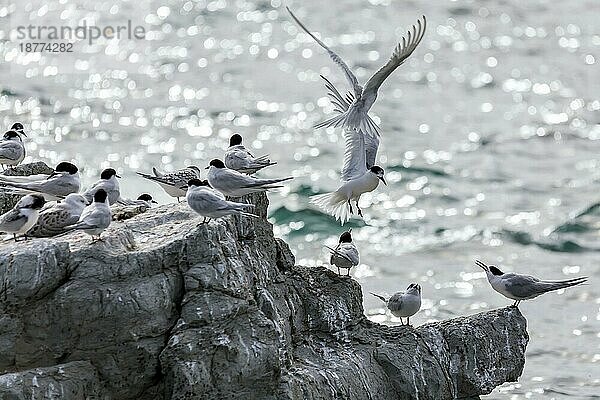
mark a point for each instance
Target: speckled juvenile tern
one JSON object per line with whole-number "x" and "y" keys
{"x": 360, "y": 100}
{"x": 109, "y": 183}
{"x": 404, "y": 304}
{"x": 22, "y": 216}
{"x": 235, "y": 184}
{"x": 345, "y": 254}
{"x": 63, "y": 181}
{"x": 237, "y": 157}
{"x": 174, "y": 183}
{"x": 210, "y": 203}
{"x": 523, "y": 287}
{"x": 54, "y": 219}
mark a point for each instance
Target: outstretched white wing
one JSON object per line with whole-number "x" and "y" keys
{"x": 401, "y": 53}
{"x": 336, "y": 59}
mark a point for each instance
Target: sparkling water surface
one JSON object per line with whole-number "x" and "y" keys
{"x": 490, "y": 139}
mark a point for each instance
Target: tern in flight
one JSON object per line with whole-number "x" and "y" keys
{"x": 359, "y": 99}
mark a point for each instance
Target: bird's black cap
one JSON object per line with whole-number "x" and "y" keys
{"x": 37, "y": 202}
{"x": 66, "y": 167}
{"x": 17, "y": 126}
{"x": 10, "y": 134}
{"x": 376, "y": 169}
{"x": 235, "y": 139}
{"x": 346, "y": 237}
{"x": 197, "y": 182}
{"x": 217, "y": 163}
{"x": 100, "y": 196}
{"x": 495, "y": 270}
{"x": 145, "y": 197}
{"x": 108, "y": 173}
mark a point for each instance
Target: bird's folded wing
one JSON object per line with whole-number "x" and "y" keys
{"x": 166, "y": 179}
{"x": 205, "y": 197}
{"x": 338, "y": 254}
{"x": 10, "y": 150}
{"x": 395, "y": 302}
{"x": 239, "y": 158}
{"x": 336, "y": 59}
{"x": 234, "y": 179}
{"x": 352, "y": 255}
{"x": 23, "y": 179}
{"x": 12, "y": 220}
{"x": 355, "y": 163}
{"x": 184, "y": 175}
{"x": 53, "y": 221}
{"x": 523, "y": 285}
{"x": 404, "y": 49}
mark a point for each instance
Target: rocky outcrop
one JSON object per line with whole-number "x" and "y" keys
{"x": 168, "y": 308}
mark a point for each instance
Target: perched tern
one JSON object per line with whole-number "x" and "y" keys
{"x": 523, "y": 287}
{"x": 22, "y": 216}
{"x": 96, "y": 217}
{"x": 211, "y": 204}
{"x": 404, "y": 304}
{"x": 12, "y": 150}
{"x": 109, "y": 183}
{"x": 345, "y": 254}
{"x": 143, "y": 199}
{"x": 53, "y": 220}
{"x": 235, "y": 184}
{"x": 360, "y": 100}
{"x": 174, "y": 183}
{"x": 63, "y": 181}
{"x": 238, "y": 158}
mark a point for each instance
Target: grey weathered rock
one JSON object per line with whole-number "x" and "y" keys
{"x": 167, "y": 308}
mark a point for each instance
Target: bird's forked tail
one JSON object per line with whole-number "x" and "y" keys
{"x": 333, "y": 203}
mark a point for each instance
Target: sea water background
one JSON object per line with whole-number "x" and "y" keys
{"x": 490, "y": 138}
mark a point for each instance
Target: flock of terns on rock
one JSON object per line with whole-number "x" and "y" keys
{"x": 52, "y": 205}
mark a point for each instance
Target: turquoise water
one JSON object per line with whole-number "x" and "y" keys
{"x": 490, "y": 139}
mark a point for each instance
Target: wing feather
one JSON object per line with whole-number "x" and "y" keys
{"x": 402, "y": 51}
{"x": 336, "y": 59}
{"x": 355, "y": 163}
